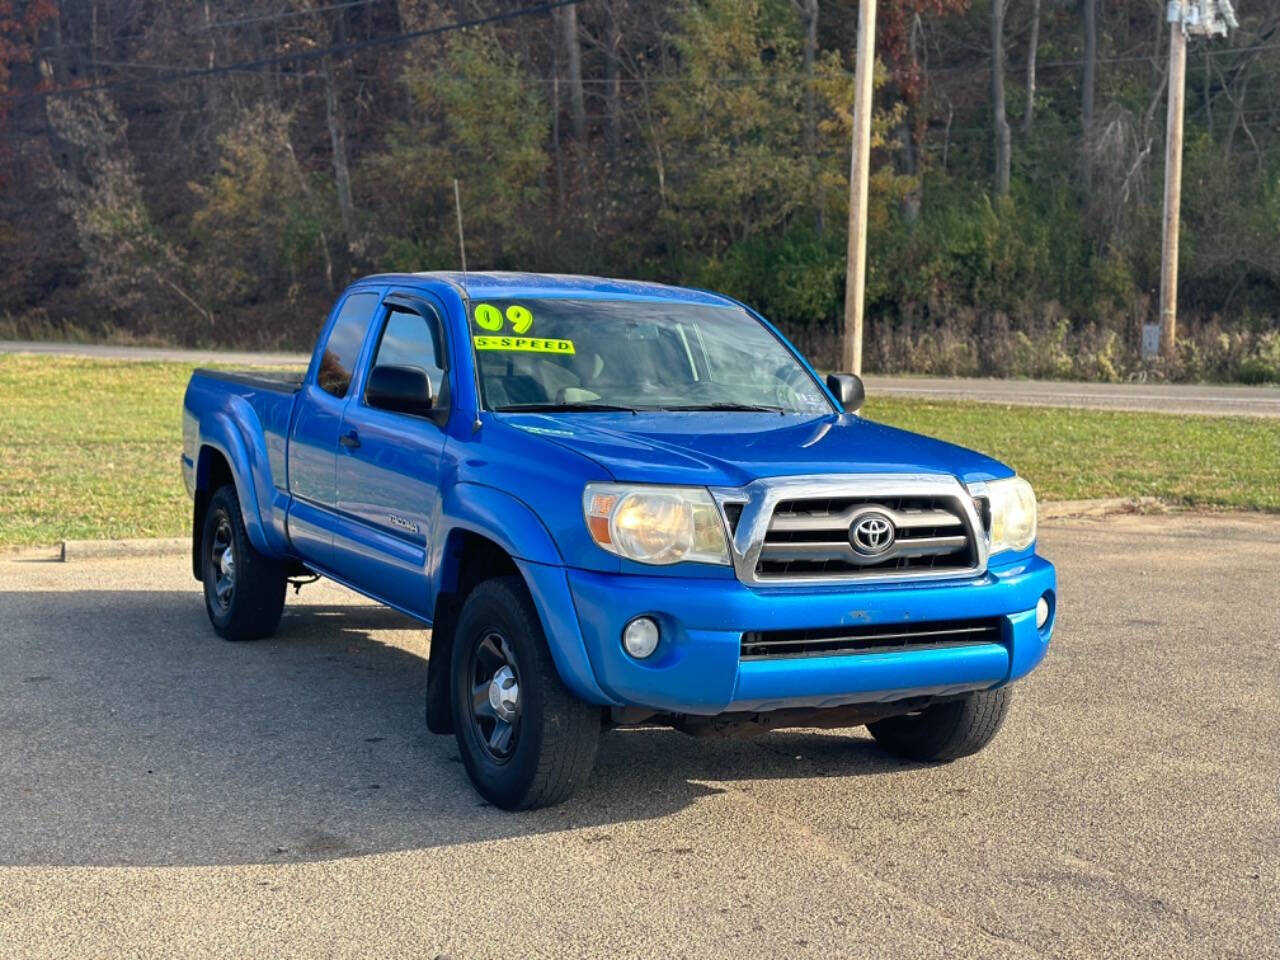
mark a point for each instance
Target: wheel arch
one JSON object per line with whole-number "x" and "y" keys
{"x": 212, "y": 471}
{"x": 223, "y": 458}
{"x": 468, "y": 558}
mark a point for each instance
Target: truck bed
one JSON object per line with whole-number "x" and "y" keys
{"x": 250, "y": 410}
{"x": 278, "y": 381}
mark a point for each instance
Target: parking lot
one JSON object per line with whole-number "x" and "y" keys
{"x": 164, "y": 793}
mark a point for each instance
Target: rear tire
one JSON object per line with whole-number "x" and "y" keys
{"x": 525, "y": 740}
{"x": 243, "y": 589}
{"x": 946, "y": 731}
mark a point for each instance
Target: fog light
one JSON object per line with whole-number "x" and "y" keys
{"x": 640, "y": 637}
{"x": 1042, "y": 612}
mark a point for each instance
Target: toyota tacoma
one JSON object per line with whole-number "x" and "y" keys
{"x": 617, "y": 503}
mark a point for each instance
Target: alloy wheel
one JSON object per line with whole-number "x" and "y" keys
{"x": 222, "y": 553}
{"x": 495, "y": 697}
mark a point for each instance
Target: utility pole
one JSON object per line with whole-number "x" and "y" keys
{"x": 1172, "y": 180}
{"x": 1204, "y": 18}
{"x": 856, "y": 266}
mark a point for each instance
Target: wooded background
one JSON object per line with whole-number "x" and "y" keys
{"x": 212, "y": 172}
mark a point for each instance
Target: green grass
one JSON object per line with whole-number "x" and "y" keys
{"x": 1226, "y": 462}
{"x": 90, "y": 448}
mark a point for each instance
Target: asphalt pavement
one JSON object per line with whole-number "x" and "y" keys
{"x": 166, "y": 794}
{"x": 247, "y": 358}
{"x": 1183, "y": 398}
{"x": 1180, "y": 398}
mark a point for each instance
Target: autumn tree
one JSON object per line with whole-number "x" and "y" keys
{"x": 216, "y": 171}
{"x": 455, "y": 91}
{"x": 127, "y": 257}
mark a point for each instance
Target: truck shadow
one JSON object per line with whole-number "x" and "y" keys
{"x": 133, "y": 736}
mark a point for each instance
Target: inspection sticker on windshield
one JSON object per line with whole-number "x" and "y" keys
{"x": 525, "y": 344}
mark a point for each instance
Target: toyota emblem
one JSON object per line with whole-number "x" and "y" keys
{"x": 872, "y": 534}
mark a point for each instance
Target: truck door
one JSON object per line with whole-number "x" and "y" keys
{"x": 313, "y": 441}
{"x": 389, "y": 464}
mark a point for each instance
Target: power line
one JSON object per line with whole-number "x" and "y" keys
{"x": 221, "y": 25}
{"x": 1135, "y": 58}
{"x": 301, "y": 56}
{"x": 660, "y": 80}
{"x": 283, "y": 15}
{"x": 180, "y": 73}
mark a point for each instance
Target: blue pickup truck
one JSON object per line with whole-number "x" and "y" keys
{"x": 617, "y": 503}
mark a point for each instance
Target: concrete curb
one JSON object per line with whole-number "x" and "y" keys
{"x": 1070, "y": 509}
{"x": 73, "y": 550}
{"x": 47, "y": 554}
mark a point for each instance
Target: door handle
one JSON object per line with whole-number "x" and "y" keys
{"x": 350, "y": 439}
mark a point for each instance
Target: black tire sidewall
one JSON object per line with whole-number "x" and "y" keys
{"x": 946, "y": 731}
{"x": 219, "y": 508}
{"x": 487, "y": 611}
{"x": 258, "y": 598}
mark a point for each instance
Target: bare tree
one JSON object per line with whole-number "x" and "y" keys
{"x": 808, "y": 10}
{"x": 569, "y": 39}
{"x": 338, "y": 144}
{"x": 613, "y": 80}
{"x": 1088, "y": 87}
{"x": 338, "y": 136}
{"x": 1003, "y": 141}
{"x": 126, "y": 256}
{"x": 212, "y": 91}
{"x": 1033, "y": 46}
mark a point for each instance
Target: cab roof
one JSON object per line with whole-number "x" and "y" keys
{"x": 500, "y": 284}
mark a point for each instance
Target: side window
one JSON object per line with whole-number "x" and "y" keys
{"x": 409, "y": 340}
{"x": 338, "y": 361}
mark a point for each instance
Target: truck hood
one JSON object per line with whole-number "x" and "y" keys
{"x": 732, "y": 449}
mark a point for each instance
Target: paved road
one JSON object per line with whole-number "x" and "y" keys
{"x": 165, "y": 794}
{"x": 1162, "y": 398}
{"x": 234, "y": 357}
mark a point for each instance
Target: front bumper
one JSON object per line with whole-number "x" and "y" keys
{"x": 698, "y": 668}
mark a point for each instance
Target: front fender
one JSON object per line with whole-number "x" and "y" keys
{"x": 506, "y": 520}
{"x": 511, "y": 524}
{"x": 237, "y": 435}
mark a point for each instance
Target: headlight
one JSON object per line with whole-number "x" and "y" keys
{"x": 653, "y": 524}
{"x": 1013, "y": 514}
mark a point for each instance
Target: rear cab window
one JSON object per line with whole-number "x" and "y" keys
{"x": 342, "y": 348}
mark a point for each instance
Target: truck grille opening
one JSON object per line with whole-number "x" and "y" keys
{"x": 816, "y": 537}
{"x": 733, "y": 514}
{"x": 878, "y": 638}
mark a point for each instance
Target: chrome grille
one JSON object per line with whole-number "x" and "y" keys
{"x": 793, "y": 530}
{"x": 814, "y": 536}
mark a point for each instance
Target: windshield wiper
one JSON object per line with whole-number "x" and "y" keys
{"x": 725, "y": 405}
{"x": 563, "y": 408}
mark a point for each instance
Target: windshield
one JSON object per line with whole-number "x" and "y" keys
{"x": 584, "y": 355}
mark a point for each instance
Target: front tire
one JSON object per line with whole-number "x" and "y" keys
{"x": 945, "y": 731}
{"x": 243, "y": 589}
{"x": 525, "y": 740}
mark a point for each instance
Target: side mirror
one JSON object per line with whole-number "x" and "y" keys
{"x": 403, "y": 389}
{"x": 848, "y": 389}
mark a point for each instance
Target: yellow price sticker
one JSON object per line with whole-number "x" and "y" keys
{"x": 520, "y": 318}
{"x": 488, "y": 317}
{"x": 525, "y": 345}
